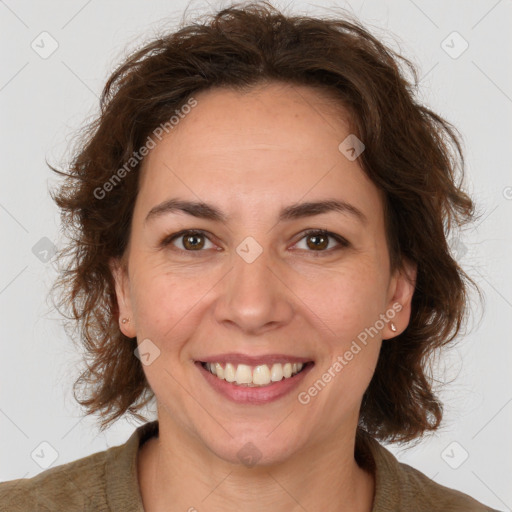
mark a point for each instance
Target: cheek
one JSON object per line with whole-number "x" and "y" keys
{"x": 345, "y": 305}
{"x": 164, "y": 300}
{"x": 347, "y": 299}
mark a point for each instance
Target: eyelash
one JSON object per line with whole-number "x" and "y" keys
{"x": 343, "y": 243}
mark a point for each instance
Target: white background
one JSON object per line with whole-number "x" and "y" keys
{"x": 43, "y": 101}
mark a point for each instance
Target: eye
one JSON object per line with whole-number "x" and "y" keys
{"x": 188, "y": 240}
{"x": 318, "y": 240}
{"x": 193, "y": 241}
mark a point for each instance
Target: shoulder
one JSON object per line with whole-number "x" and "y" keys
{"x": 400, "y": 487}
{"x": 77, "y": 485}
{"x": 104, "y": 481}
{"x": 416, "y": 487}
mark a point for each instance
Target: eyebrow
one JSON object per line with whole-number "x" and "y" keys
{"x": 295, "y": 211}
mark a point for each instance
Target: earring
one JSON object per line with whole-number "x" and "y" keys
{"x": 124, "y": 320}
{"x": 393, "y": 327}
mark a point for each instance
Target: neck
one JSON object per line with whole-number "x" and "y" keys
{"x": 177, "y": 472}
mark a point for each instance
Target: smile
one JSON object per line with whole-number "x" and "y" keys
{"x": 253, "y": 376}
{"x": 254, "y": 383}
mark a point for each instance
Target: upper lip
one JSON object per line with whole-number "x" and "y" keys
{"x": 250, "y": 360}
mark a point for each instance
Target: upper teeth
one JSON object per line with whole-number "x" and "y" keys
{"x": 260, "y": 375}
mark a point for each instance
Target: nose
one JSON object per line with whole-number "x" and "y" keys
{"x": 254, "y": 296}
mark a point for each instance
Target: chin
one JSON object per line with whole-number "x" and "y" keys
{"x": 255, "y": 449}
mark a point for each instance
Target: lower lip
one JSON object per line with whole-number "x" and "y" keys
{"x": 254, "y": 395}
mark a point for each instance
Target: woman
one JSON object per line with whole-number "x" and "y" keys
{"x": 258, "y": 221}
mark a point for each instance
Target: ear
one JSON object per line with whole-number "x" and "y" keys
{"x": 122, "y": 286}
{"x": 398, "y": 311}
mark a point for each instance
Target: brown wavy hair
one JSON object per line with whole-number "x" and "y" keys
{"x": 412, "y": 155}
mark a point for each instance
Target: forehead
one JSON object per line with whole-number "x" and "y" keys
{"x": 276, "y": 142}
{"x": 274, "y": 116}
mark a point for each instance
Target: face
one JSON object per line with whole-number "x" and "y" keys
{"x": 259, "y": 278}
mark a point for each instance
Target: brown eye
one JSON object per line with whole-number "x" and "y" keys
{"x": 318, "y": 241}
{"x": 193, "y": 241}
{"x": 188, "y": 241}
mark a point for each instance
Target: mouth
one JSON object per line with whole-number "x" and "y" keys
{"x": 254, "y": 383}
{"x": 254, "y": 375}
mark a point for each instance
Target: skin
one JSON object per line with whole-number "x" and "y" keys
{"x": 251, "y": 154}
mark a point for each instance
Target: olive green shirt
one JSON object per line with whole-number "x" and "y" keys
{"x": 107, "y": 481}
